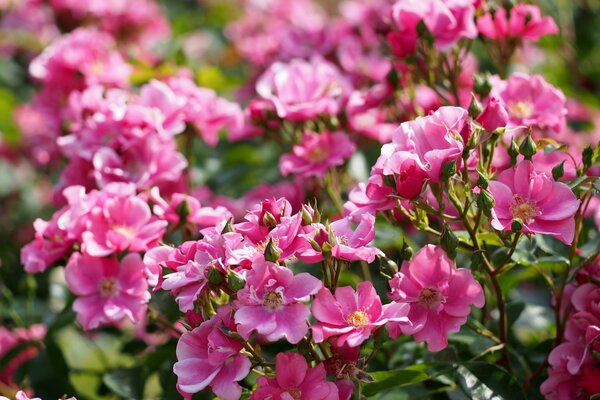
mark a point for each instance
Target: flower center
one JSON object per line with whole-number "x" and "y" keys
{"x": 430, "y": 297}
{"x": 521, "y": 109}
{"x": 318, "y": 154}
{"x": 526, "y": 210}
{"x": 272, "y": 300}
{"x": 108, "y": 287}
{"x": 295, "y": 393}
{"x": 358, "y": 319}
{"x": 125, "y": 231}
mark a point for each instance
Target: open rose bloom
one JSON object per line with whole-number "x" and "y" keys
{"x": 299, "y": 200}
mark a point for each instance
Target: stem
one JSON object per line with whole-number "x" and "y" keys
{"x": 513, "y": 247}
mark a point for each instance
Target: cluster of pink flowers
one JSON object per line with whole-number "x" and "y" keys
{"x": 270, "y": 267}
{"x": 574, "y": 369}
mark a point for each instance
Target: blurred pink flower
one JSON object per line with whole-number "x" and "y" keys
{"x": 525, "y": 22}
{"x": 107, "y": 290}
{"x": 301, "y": 90}
{"x": 316, "y": 153}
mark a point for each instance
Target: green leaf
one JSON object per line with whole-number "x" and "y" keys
{"x": 484, "y": 381}
{"x": 126, "y": 382}
{"x": 392, "y": 379}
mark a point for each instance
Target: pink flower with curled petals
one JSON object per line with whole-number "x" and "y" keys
{"x": 121, "y": 223}
{"x": 540, "y": 203}
{"x": 207, "y": 357}
{"x": 430, "y": 141}
{"x": 271, "y": 302}
{"x": 316, "y": 153}
{"x": 351, "y": 317}
{"x": 353, "y": 244}
{"x": 107, "y": 290}
{"x": 295, "y": 380}
{"x": 524, "y": 22}
{"x": 439, "y": 297}
{"x": 493, "y": 116}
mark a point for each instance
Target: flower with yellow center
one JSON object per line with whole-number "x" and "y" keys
{"x": 358, "y": 319}
{"x": 525, "y": 210}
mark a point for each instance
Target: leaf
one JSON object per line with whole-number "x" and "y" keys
{"x": 392, "y": 379}
{"x": 126, "y": 382}
{"x": 484, "y": 381}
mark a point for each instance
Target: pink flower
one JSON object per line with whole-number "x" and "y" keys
{"x": 525, "y": 22}
{"x": 51, "y": 243}
{"x": 540, "y": 203}
{"x": 493, "y": 116}
{"x": 207, "y": 357}
{"x": 193, "y": 263}
{"x": 316, "y": 153}
{"x": 410, "y": 179}
{"x": 353, "y": 245}
{"x": 271, "y": 302}
{"x": 9, "y": 340}
{"x": 79, "y": 59}
{"x": 369, "y": 198}
{"x": 531, "y": 101}
{"x": 295, "y": 380}
{"x": 439, "y": 297}
{"x": 430, "y": 141}
{"x": 302, "y": 90}
{"x": 447, "y": 20}
{"x": 121, "y": 223}
{"x": 351, "y": 316}
{"x": 107, "y": 290}
{"x": 205, "y": 111}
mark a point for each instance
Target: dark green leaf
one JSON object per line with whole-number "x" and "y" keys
{"x": 484, "y": 381}
{"x": 126, "y": 382}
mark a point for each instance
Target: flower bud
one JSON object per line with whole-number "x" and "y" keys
{"x": 516, "y": 225}
{"x": 482, "y": 84}
{"x": 307, "y": 214}
{"x": 558, "y": 171}
{"x": 485, "y": 202}
{"x": 494, "y": 115}
{"x": 272, "y": 253}
{"x": 482, "y": 181}
{"x": 528, "y": 147}
{"x": 215, "y": 276}
{"x": 234, "y": 281}
{"x": 513, "y": 151}
{"x": 406, "y": 252}
{"x": 183, "y": 210}
{"x": 448, "y": 170}
{"x": 449, "y": 241}
{"x": 269, "y": 220}
{"x": 474, "y": 107}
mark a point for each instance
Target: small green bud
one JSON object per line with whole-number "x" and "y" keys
{"x": 482, "y": 84}
{"x": 269, "y": 220}
{"x": 528, "y": 147}
{"x": 183, "y": 210}
{"x": 482, "y": 181}
{"x": 272, "y": 253}
{"x": 406, "y": 252}
{"x": 513, "y": 151}
{"x": 558, "y": 171}
{"x": 228, "y": 226}
{"x": 307, "y": 215}
{"x": 485, "y": 202}
{"x": 449, "y": 241}
{"x": 234, "y": 281}
{"x": 516, "y": 225}
{"x": 326, "y": 248}
{"x": 586, "y": 158}
{"x": 448, "y": 170}
{"x": 475, "y": 107}
{"x": 215, "y": 276}
{"x": 314, "y": 245}
{"x": 421, "y": 222}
